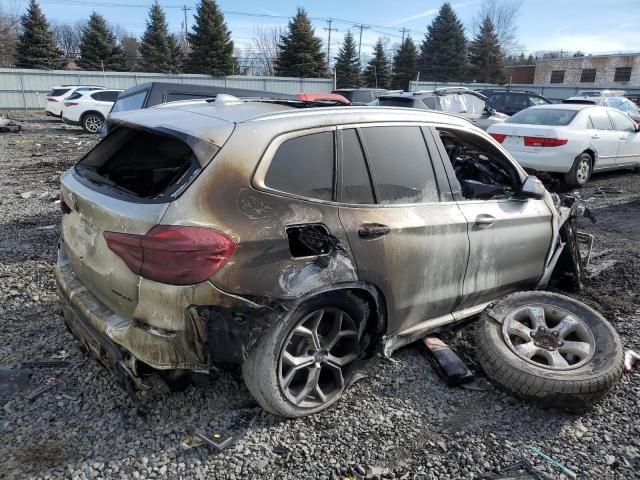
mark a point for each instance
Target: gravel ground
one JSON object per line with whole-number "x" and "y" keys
{"x": 401, "y": 421}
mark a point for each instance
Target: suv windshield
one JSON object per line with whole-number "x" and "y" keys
{"x": 543, "y": 116}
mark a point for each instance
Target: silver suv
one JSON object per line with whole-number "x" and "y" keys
{"x": 293, "y": 241}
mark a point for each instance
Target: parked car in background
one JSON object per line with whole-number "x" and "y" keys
{"x": 460, "y": 101}
{"x": 600, "y": 93}
{"x": 509, "y": 101}
{"x": 57, "y": 95}
{"x": 360, "y": 96}
{"x": 620, "y": 103}
{"x": 574, "y": 140}
{"x": 319, "y": 260}
{"x": 89, "y": 108}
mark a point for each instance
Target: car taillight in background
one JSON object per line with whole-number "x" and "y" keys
{"x": 544, "y": 142}
{"x": 51, "y": 99}
{"x": 70, "y": 104}
{"x": 173, "y": 254}
{"x": 498, "y": 136}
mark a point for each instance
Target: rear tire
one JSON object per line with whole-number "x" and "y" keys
{"x": 580, "y": 172}
{"x": 567, "y": 357}
{"x": 324, "y": 361}
{"x": 92, "y": 122}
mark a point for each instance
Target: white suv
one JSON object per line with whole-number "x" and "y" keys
{"x": 89, "y": 109}
{"x": 58, "y": 94}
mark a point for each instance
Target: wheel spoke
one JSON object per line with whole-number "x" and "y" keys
{"x": 315, "y": 322}
{"x": 321, "y": 396}
{"x": 556, "y": 360}
{"x": 310, "y": 386}
{"x": 297, "y": 362}
{"x": 516, "y": 328}
{"x": 331, "y": 338}
{"x": 536, "y": 315}
{"x": 566, "y": 326}
{"x": 341, "y": 361}
{"x": 579, "y": 349}
{"x": 527, "y": 350}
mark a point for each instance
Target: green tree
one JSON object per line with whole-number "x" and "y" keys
{"x": 443, "y": 50}
{"x": 347, "y": 64}
{"x": 36, "y": 47}
{"x": 159, "y": 51}
{"x": 378, "y": 74}
{"x": 486, "y": 60}
{"x": 300, "y": 51}
{"x": 98, "y": 47}
{"x": 405, "y": 65}
{"x": 211, "y": 45}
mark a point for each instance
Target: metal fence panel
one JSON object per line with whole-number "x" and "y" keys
{"x": 551, "y": 91}
{"x": 25, "y": 89}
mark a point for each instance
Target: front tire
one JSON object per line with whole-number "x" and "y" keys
{"x": 580, "y": 172}
{"x": 92, "y": 122}
{"x": 303, "y": 364}
{"x": 549, "y": 349}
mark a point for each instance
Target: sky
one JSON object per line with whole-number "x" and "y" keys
{"x": 591, "y": 26}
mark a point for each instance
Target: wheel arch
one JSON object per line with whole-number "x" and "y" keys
{"x": 594, "y": 155}
{"x": 84, "y": 115}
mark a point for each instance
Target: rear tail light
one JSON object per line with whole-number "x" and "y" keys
{"x": 63, "y": 205}
{"x": 70, "y": 104}
{"x": 173, "y": 254}
{"x": 544, "y": 142}
{"x": 498, "y": 136}
{"x": 51, "y": 100}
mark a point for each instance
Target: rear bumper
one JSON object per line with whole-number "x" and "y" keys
{"x": 221, "y": 331}
{"x": 556, "y": 161}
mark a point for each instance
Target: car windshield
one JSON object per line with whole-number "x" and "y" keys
{"x": 462, "y": 103}
{"x": 543, "y": 116}
{"x": 621, "y": 104}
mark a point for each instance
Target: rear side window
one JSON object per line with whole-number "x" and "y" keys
{"x": 131, "y": 102}
{"x": 176, "y": 96}
{"x": 538, "y": 101}
{"x": 58, "y": 92}
{"x": 97, "y": 96}
{"x": 356, "y": 184}
{"x": 144, "y": 163}
{"x": 406, "y": 102}
{"x": 304, "y": 166}
{"x": 401, "y": 164}
{"x": 429, "y": 102}
{"x": 600, "y": 120}
{"x": 363, "y": 96}
{"x": 621, "y": 122}
{"x": 543, "y": 116}
{"x": 109, "y": 96}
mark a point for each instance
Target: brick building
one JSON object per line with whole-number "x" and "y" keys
{"x": 620, "y": 70}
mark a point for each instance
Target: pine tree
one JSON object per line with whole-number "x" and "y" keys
{"x": 211, "y": 45}
{"x": 159, "y": 51}
{"x": 377, "y": 74}
{"x": 98, "y": 48}
{"x": 443, "y": 50}
{"x": 300, "y": 51}
{"x": 405, "y": 65}
{"x": 347, "y": 64}
{"x": 486, "y": 63}
{"x": 36, "y": 47}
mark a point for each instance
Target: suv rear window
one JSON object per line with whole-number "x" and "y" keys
{"x": 304, "y": 166}
{"x": 401, "y": 165}
{"x": 543, "y": 116}
{"x": 57, "y": 92}
{"x": 131, "y": 102}
{"x": 144, "y": 163}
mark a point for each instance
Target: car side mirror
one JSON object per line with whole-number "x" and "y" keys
{"x": 532, "y": 188}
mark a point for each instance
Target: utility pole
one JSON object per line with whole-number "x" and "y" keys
{"x": 403, "y": 30}
{"x": 361, "y": 27}
{"x": 329, "y": 29}
{"x": 186, "y": 26}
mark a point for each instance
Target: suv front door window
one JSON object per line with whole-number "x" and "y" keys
{"x": 508, "y": 236}
{"x": 397, "y": 242}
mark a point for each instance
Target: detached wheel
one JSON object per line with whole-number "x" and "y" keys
{"x": 302, "y": 365}
{"x": 549, "y": 349}
{"x": 92, "y": 122}
{"x": 580, "y": 172}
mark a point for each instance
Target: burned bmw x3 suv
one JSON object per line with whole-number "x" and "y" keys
{"x": 299, "y": 242}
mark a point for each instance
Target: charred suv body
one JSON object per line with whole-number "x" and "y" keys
{"x": 290, "y": 240}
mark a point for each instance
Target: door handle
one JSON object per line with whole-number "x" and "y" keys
{"x": 624, "y": 136}
{"x": 485, "y": 220}
{"x": 595, "y": 135}
{"x": 373, "y": 230}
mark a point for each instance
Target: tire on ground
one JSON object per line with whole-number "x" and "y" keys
{"x": 571, "y": 177}
{"x": 260, "y": 368}
{"x": 570, "y": 390}
{"x": 86, "y": 116}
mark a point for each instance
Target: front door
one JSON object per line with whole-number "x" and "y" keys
{"x": 408, "y": 237}
{"x": 509, "y": 238}
{"x": 629, "y": 146}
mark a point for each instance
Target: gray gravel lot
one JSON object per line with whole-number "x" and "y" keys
{"x": 400, "y": 422}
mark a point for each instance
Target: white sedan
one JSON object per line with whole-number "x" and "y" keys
{"x": 89, "y": 109}
{"x": 571, "y": 139}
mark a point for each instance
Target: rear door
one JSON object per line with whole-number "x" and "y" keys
{"x": 603, "y": 137}
{"x": 407, "y": 235}
{"x": 508, "y": 237}
{"x": 629, "y": 146}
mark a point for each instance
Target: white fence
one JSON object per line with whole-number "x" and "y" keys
{"x": 551, "y": 91}
{"x": 25, "y": 89}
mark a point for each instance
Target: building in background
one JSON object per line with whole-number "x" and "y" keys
{"x": 599, "y": 71}
{"x": 521, "y": 74}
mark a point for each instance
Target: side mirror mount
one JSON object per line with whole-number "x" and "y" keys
{"x": 532, "y": 188}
